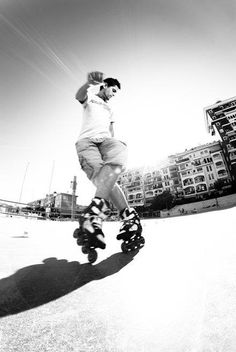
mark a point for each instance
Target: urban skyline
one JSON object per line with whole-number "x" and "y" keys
{"x": 170, "y": 161}
{"x": 172, "y": 61}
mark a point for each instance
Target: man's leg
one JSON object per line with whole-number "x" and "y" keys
{"x": 118, "y": 198}
{"x": 114, "y": 155}
{"x": 110, "y": 159}
{"x": 108, "y": 189}
{"x": 91, "y": 222}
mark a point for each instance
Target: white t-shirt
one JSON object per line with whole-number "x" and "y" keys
{"x": 97, "y": 117}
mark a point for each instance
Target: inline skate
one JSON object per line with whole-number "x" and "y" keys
{"x": 90, "y": 235}
{"x": 130, "y": 231}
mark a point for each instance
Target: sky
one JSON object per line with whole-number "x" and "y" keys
{"x": 173, "y": 58}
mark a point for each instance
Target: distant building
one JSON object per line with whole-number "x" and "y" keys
{"x": 222, "y": 117}
{"x": 63, "y": 203}
{"x": 192, "y": 173}
{"x": 199, "y": 168}
{"x": 132, "y": 184}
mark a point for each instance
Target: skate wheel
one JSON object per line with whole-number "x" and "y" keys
{"x": 133, "y": 247}
{"x": 85, "y": 250}
{"x": 76, "y": 233}
{"x": 142, "y": 241}
{"x": 92, "y": 256}
{"x": 124, "y": 247}
{"x": 80, "y": 241}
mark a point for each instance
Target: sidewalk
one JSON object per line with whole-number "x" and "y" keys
{"x": 177, "y": 294}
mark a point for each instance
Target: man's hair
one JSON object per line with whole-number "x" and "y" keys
{"x": 111, "y": 82}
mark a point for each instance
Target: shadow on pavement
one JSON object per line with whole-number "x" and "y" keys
{"x": 38, "y": 284}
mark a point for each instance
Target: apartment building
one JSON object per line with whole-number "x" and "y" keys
{"x": 63, "y": 202}
{"x": 191, "y": 173}
{"x": 200, "y": 167}
{"x": 132, "y": 184}
{"x": 141, "y": 185}
{"x": 221, "y": 117}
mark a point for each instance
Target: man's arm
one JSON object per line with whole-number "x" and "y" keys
{"x": 94, "y": 78}
{"x": 81, "y": 95}
{"x": 112, "y": 129}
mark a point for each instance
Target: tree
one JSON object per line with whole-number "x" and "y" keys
{"x": 164, "y": 200}
{"x": 219, "y": 184}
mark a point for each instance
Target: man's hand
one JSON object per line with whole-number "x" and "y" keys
{"x": 95, "y": 77}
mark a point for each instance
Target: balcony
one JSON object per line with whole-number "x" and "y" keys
{"x": 217, "y": 156}
{"x": 148, "y": 182}
{"x": 219, "y": 164}
{"x": 135, "y": 196}
{"x": 231, "y": 148}
{"x": 189, "y": 190}
{"x": 199, "y": 179}
{"x": 232, "y": 156}
{"x": 232, "y": 139}
{"x": 201, "y": 188}
{"x": 149, "y": 194}
{"x": 222, "y": 173}
{"x": 187, "y": 182}
{"x": 138, "y": 202}
{"x": 182, "y": 160}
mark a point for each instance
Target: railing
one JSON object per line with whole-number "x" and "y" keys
{"x": 18, "y": 209}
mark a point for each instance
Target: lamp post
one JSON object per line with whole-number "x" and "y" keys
{"x": 23, "y": 182}
{"x": 74, "y": 184}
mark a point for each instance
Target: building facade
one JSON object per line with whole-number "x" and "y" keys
{"x": 132, "y": 184}
{"x": 192, "y": 173}
{"x": 64, "y": 203}
{"x": 199, "y": 168}
{"x": 222, "y": 117}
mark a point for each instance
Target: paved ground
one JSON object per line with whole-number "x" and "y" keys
{"x": 177, "y": 294}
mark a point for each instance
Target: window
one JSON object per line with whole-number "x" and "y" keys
{"x": 149, "y": 194}
{"x": 219, "y": 163}
{"x": 201, "y": 188}
{"x": 188, "y": 181}
{"x": 222, "y": 173}
{"x": 189, "y": 190}
{"x": 199, "y": 179}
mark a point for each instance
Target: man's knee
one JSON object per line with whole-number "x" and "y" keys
{"x": 115, "y": 153}
{"x": 106, "y": 172}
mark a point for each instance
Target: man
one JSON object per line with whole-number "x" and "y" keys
{"x": 102, "y": 158}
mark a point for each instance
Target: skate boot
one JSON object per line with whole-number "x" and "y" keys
{"x": 130, "y": 231}
{"x": 89, "y": 235}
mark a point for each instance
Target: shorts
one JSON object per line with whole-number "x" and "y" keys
{"x": 94, "y": 155}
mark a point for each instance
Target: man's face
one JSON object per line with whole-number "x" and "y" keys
{"x": 109, "y": 92}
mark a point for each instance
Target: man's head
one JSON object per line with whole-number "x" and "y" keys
{"x": 109, "y": 88}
